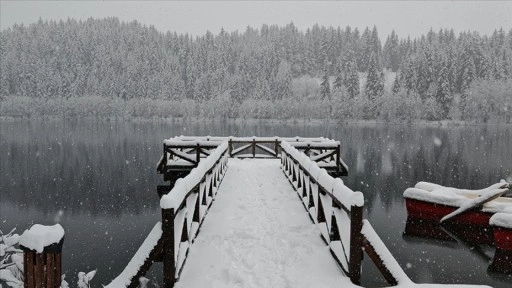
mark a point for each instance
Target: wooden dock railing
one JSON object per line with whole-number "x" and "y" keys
{"x": 338, "y": 213}
{"x": 181, "y": 154}
{"x": 184, "y": 208}
{"x": 334, "y": 208}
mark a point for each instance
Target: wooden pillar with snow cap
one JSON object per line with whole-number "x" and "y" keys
{"x": 42, "y": 256}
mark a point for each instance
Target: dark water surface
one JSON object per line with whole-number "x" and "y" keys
{"x": 98, "y": 180}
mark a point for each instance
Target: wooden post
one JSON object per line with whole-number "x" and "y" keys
{"x": 198, "y": 154}
{"x": 276, "y": 148}
{"x": 356, "y": 244}
{"x": 372, "y": 253}
{"x": 338, "y": 158}
{"x": 253, "y": 147}
{"x": 168, "y": 251}
{"x": 43, "y": 269}
{"x": 165, "y": 157}
{"x": 230, "y": 148}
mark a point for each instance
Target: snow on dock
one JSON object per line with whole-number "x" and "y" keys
{"x": 258, "y": 235}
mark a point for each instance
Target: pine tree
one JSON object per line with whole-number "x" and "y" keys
{"x": 325, "y": 87}
{"x": 443, "y": 94}
{"x": 396, "y": 85}
{"x": 364, "y": 51}
{"x": 351, "y": 80}
{"x": 468, "y": 75}
{"x": 375, "y": 47}
{"x": 374, "y": 81}
{"x": 338, "y": 81}
{"x": 284, "y": 79}
{"x": 391, "y": 52}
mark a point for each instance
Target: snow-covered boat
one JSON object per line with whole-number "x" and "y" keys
{"x": 489, "y": 223}
{"x": 428, "y": 201}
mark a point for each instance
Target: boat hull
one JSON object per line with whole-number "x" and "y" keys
{"x": 502, "y": 261}
{"x": 503, "y": 238}
{"x": 422, "y": 210}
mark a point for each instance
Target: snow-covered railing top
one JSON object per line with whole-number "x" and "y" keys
{"x": 184, "y": 186}
{"x": 250, "y": 138}
{"x": 334, "y": 187}
{"x": 209, "y": 141}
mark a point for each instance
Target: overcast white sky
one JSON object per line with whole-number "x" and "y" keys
{"x": 407, "y": 18}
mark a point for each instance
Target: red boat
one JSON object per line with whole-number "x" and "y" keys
{"x": 428, "y": 201}
{"x": 487, "y": 224}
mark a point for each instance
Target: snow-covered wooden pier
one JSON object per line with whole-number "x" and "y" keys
{"x": 232, "y": 222}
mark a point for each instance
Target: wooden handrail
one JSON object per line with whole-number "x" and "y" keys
{"x": 178, "y": 218}
{"x": 313, "y": 180}
{"x": 362, "y": 237}
{"x": 309, "y": 187}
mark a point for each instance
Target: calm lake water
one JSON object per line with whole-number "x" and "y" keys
{"x": 98, "y": 180}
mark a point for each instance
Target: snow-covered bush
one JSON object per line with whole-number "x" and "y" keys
{"x": 11, "y": 260}
{"x": 342, "y": 105}
{"x": 431, "y": 109}
{"x": 84, "y": 279}
{"x": 401, "y": 106}
{"x": 219, "y": 107}
{"x": 489, "y": 101}
{"x": 304, "y": 87}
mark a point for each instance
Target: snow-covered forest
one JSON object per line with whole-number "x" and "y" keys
{"x": 111, "y": 69}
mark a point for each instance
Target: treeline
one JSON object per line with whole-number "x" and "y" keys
{"x": 68, "y": 68}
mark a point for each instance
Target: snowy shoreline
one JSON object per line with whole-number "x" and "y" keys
{"x": 335, "y": 122}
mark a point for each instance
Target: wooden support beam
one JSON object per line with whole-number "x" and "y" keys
{"x": 271, "y": 152}
{"x": 169, "y": 270}
{"x": 156, "y": 255}
{"x": 253, "y": 148}
{"x": 356, "y": 244}
{"x": 198, "y": 154}
{"x": 239, "y": 150}
{"x": 320, "y": 213}
{"x": 374, "y": 256}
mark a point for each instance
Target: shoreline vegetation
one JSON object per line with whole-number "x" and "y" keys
{"x": 103, "y": 109}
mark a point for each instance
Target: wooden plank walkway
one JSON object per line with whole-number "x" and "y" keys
{"x": 257, "y": 234}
